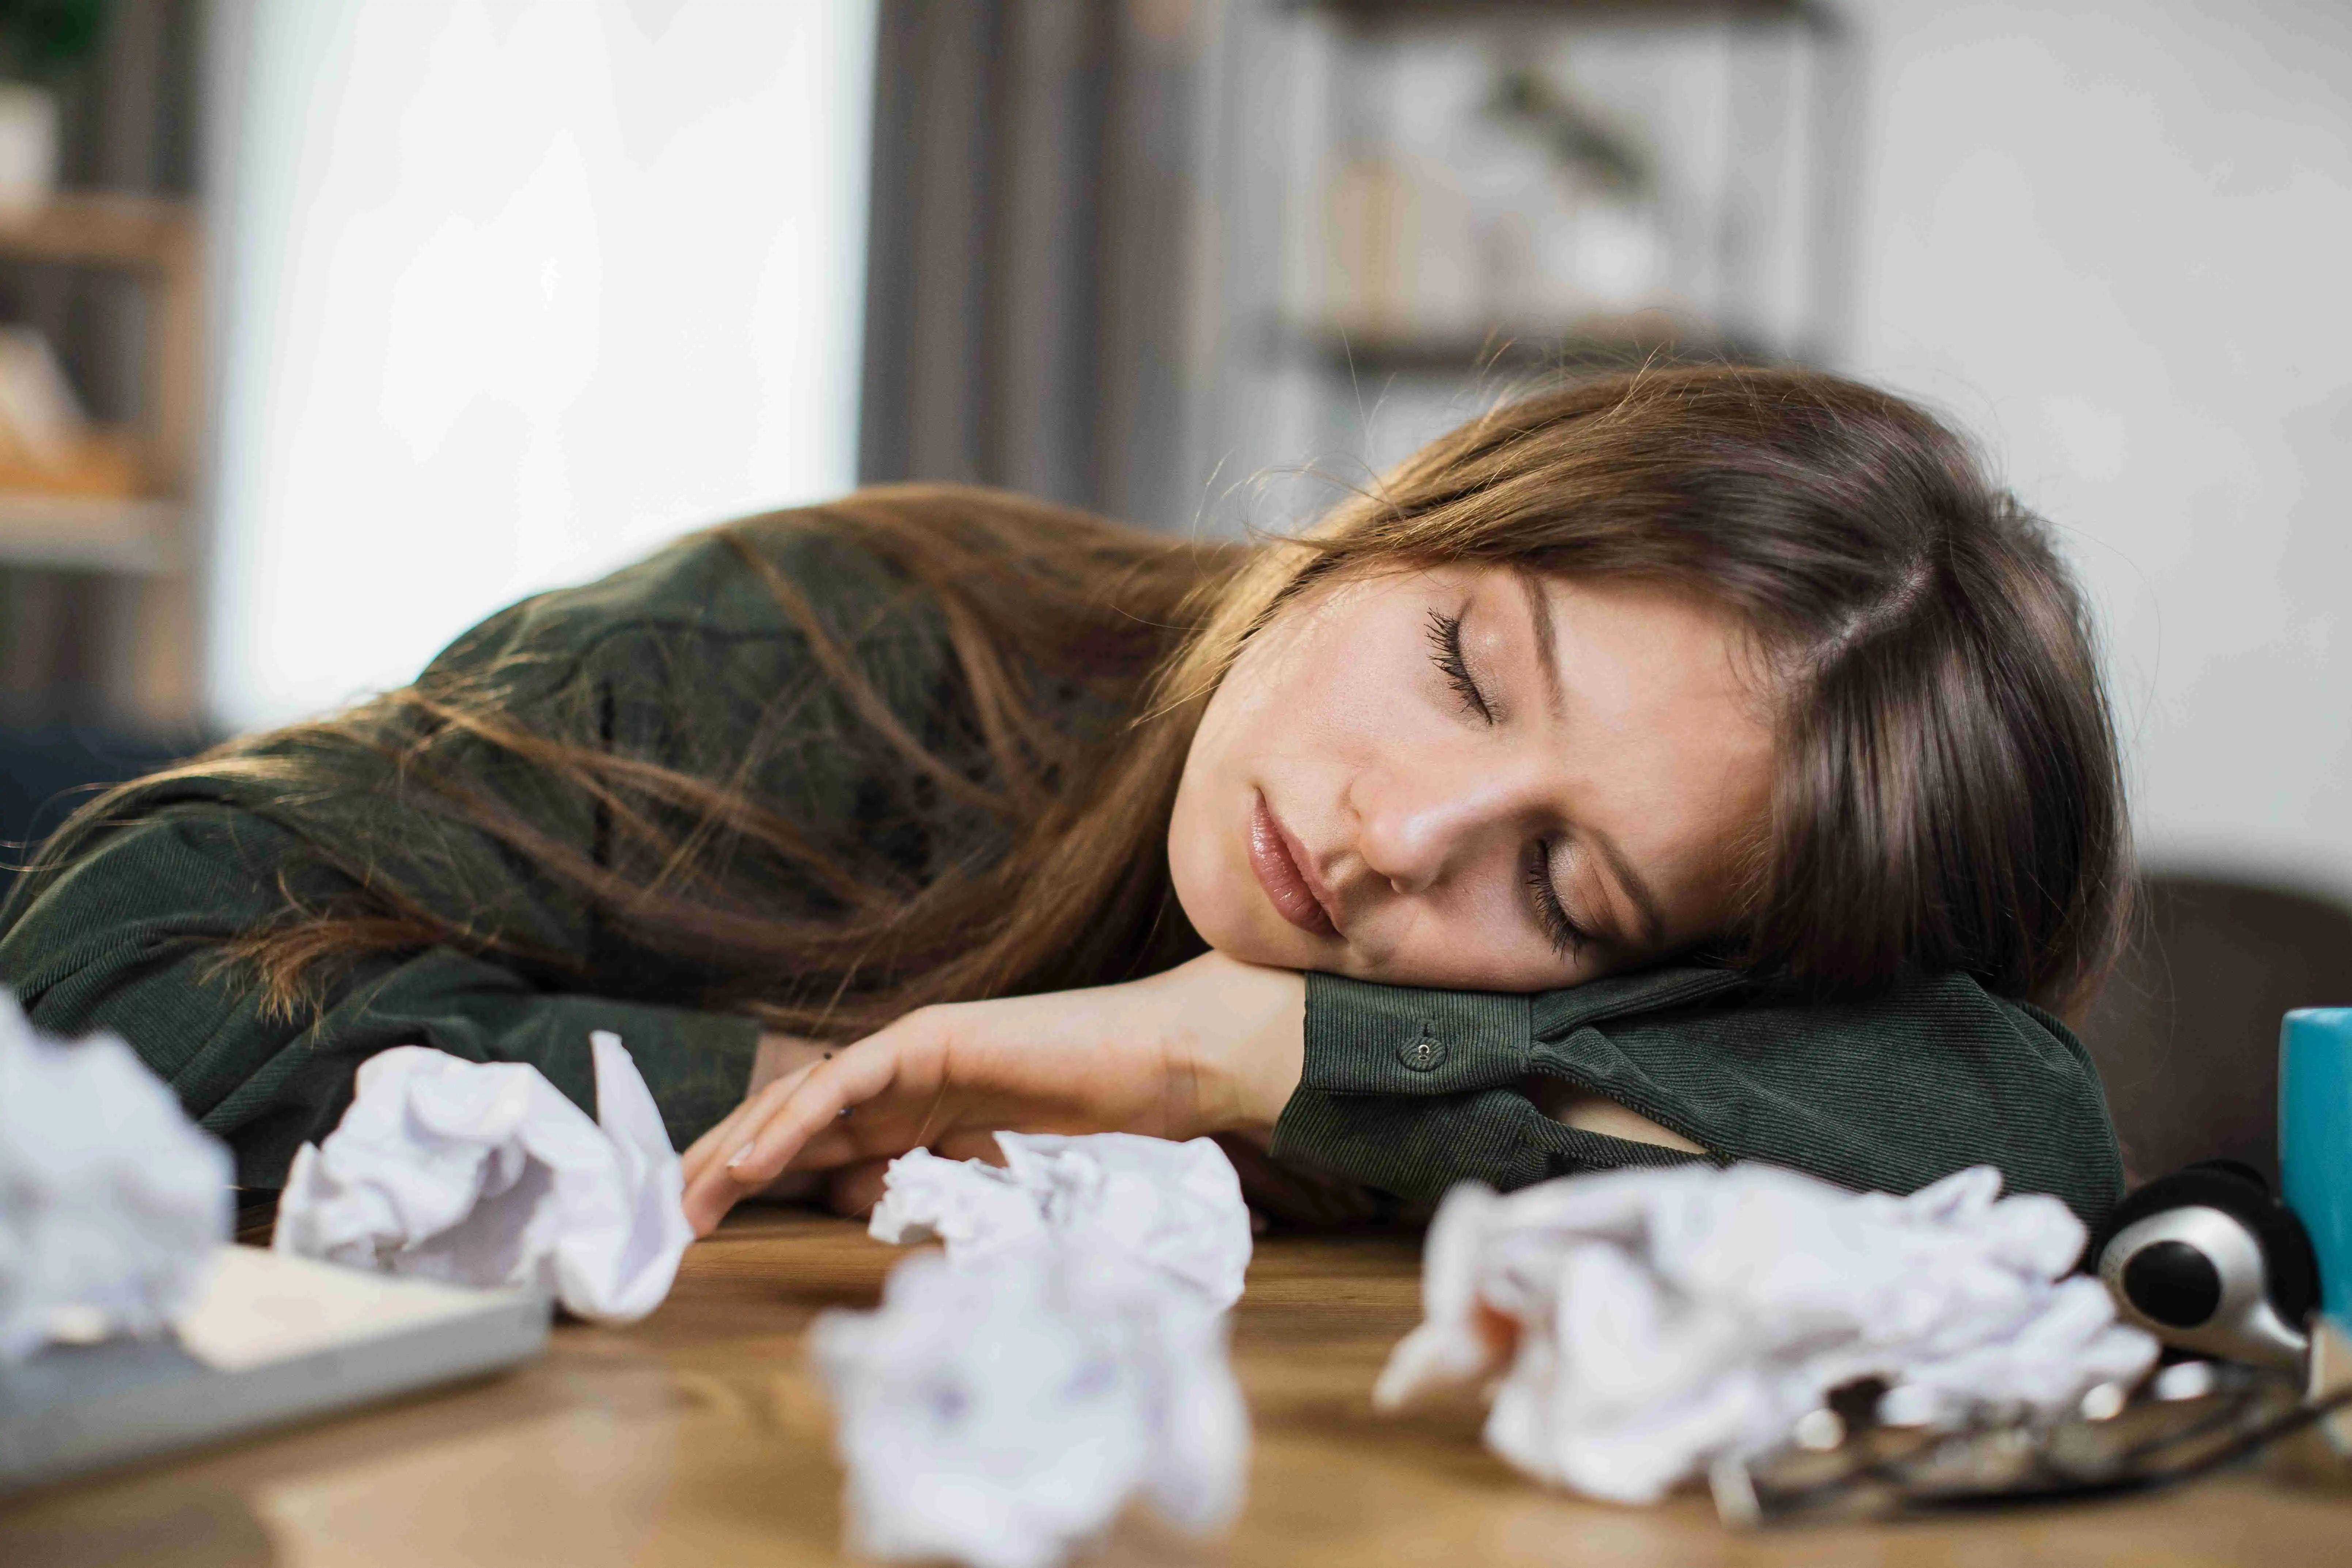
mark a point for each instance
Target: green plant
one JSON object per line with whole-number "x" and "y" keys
{"x": 1525, "y": 102}
{"x": 45, "y": 39}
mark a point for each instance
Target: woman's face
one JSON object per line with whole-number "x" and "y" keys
{"x": 1474, "y": 778}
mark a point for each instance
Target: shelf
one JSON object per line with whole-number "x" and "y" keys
{"x": 102, "y": 229}
{"x": 81, "y": 533}
{"x": 1813, "y": 14}
{"x": 1599, "y": 344}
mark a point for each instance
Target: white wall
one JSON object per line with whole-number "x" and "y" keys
{"x": 512, "y": 291}
{"x": 2117, "y": 240}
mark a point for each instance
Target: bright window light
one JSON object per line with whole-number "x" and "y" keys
{"x": 512, "y": 292}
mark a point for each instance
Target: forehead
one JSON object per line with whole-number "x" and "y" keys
{"x": 1662, "y": 733}
{"x": 1636, "y": 645}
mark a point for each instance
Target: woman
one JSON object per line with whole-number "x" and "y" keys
{"x": 1698, "y": 764}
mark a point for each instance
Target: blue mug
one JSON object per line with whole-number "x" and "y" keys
{"x": 2315, "y": 1143}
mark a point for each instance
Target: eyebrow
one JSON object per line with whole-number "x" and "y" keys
{"x": 1547, "y": 638}
{"x": 1645, "y": 898}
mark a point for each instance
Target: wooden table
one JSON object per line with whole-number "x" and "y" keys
{"x": 699, "y": 1437}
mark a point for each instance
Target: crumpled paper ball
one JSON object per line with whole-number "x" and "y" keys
{"x": 1002, "y": 1414}
{"x": 112, "y": 1201}
{"x": 1637, "y": 1326}
{"x": 482, "y": 1173}
{"x": 1066, "y": 1354}
{"x": 1176, "y": 1209}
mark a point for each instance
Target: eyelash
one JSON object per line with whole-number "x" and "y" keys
{"x": 1565, "y": 937}
{"x": 1446, "y": 652}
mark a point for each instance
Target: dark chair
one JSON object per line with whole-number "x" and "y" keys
{"x": 2186, "y": 1032}
{"x": 46, "y": 770}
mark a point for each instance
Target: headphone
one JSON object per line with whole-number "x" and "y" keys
{"x": 2208, "y": 1259}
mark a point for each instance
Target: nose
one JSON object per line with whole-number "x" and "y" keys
{"x": 1418, "y": 824}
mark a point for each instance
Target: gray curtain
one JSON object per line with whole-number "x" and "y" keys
{"x": 1032, "y": 217}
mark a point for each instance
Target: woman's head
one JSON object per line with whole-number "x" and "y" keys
{"x": 1749, "y": 660}
{"x": 1825, "y": 702}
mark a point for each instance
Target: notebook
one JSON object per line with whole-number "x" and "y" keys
{"x": 270, "y": 1340}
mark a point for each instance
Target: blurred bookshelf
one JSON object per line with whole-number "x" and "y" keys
{"x": 1595, "y": 345}
{"x": 1419, "y": 206}
{"x": 133, "y": 536}
{"x": 1648, "y": 12}
{"x": 119, "y": 505}
{"x": 104, "y": 388}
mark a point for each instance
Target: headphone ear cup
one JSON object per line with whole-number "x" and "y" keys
{"x": 2290, "y": 1271}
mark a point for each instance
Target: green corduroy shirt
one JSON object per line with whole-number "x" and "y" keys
{"x": 677, "y": 659}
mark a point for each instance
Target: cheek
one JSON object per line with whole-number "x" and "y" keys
{"x": 1206, "y": 857}
{"x": 1477, "y": 938}
{"x": 1287, "y": 701}
{"x": 1269, "y": 726}
{"x": 1192, "y": 848}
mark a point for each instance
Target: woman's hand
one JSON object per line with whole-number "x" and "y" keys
{"x": 1213, "y": 1046}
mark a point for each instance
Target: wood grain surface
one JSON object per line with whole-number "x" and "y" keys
{"x": 699, "y": 1437}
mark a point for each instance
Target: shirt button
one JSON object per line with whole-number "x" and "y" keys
{"x": 1424, "y": 1054}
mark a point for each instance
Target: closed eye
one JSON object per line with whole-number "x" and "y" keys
{"x": 1446, "y": 652}
{"x": 1567, "y": 938}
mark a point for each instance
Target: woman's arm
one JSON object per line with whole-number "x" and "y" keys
{"x": 1411, "y": 1090}
{"x": 1211, "y": 1048}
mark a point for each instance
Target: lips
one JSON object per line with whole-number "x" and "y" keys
{"x": 1280, "y": 864}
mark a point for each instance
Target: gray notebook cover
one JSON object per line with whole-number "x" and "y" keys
{"x": 72, "y": 1409}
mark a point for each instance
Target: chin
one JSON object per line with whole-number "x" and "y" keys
{"x": 1251, "y": 947}
{"x": 1207, "y": 899}
{"x": 1268, "y": 941}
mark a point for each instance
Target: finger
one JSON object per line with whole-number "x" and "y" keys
{"x": 707, "y": 1204}
{"x": 979, "y": 1143}
{"x": 713, "y": 1192}
{"x": 862, "y": 1074}
{"x": 721, "y": 1142}
{"x": 728, "y": 1134}
{"x": 858, "y": 1139}
{"x": 843, "y": 1144}
{"x": 713, "y": 1148}
{"x": 699, "y": 1161}
{"x": 710, "y": 1192}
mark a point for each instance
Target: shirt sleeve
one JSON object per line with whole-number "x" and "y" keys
{"x": 1412, "y": 1090}
{"x": 127, "y": 941}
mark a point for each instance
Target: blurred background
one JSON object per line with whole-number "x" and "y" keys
{"x": 328, "y": 326}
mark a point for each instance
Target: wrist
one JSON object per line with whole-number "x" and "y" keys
{"x": 1247, "y": 1038}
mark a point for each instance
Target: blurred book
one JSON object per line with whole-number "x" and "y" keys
{"x": 269, "y": 1341}
{"x": 47, "y": 443}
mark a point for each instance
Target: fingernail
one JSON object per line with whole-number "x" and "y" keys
{"x": 740, "y": 1155}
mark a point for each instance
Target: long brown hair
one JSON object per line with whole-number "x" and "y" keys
{"x": 1947, "y": 797}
